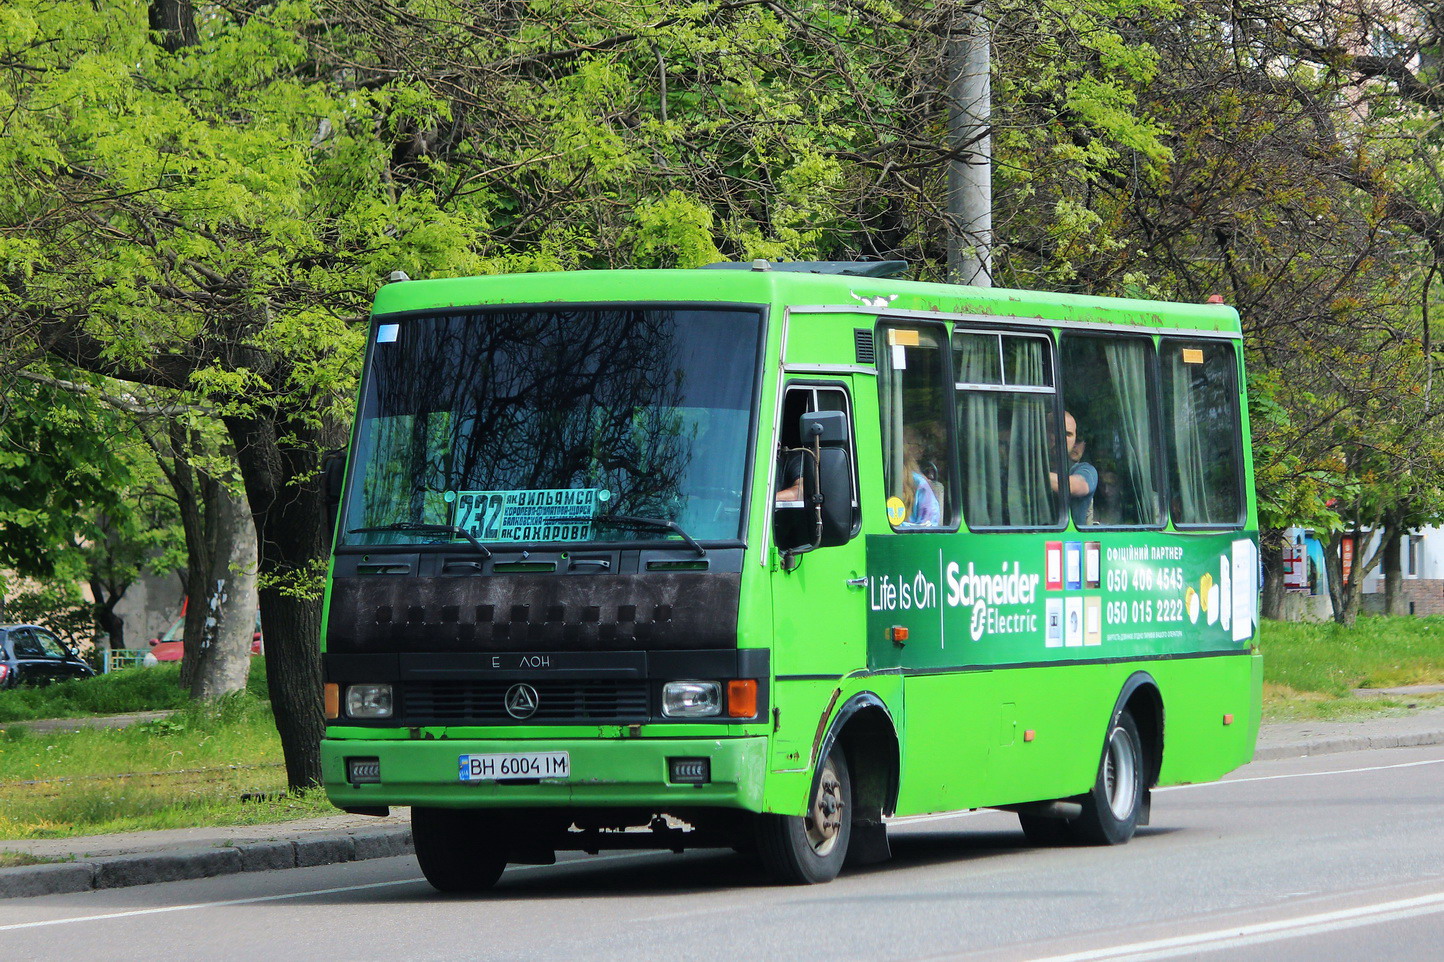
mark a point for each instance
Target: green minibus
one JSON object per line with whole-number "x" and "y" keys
{"x": 767, "y": 555}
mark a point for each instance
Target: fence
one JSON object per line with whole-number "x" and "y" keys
{"x": 123, "y": 658}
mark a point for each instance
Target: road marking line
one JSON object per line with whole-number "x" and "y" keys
{"x": 1273, "y": 778}
{"x": 204, "y": 905}
{"x": 1261, "y": 932}
{"x": 288, "y": 895}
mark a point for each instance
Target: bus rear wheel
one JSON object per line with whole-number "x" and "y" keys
{"x": 807, "y": 849}
{"x": 1111, "y": 808}
{"x": 458, "y": 850}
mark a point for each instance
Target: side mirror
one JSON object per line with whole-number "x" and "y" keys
{"x": 829, "y": 428}
{"x": 826, "y": 484}
{"x": 830, "y": 487}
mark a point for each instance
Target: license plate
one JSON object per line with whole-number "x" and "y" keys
{"x": 500, "y": 767}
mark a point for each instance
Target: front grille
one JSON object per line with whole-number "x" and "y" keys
{"x": 562, "y": 701}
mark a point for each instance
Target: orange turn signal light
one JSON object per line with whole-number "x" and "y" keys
{"x": 899, "y": 633}
{"x": 1029, "y": 735}
{"x": 333, "y": 699}
{"x": 1228, "y": 719}
{"x": 742, "y": 698}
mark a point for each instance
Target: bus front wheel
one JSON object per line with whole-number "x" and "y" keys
{"x": 1111, "y": 808}
{"x": 806, "y": 849}
{"x": 458, "y": 850}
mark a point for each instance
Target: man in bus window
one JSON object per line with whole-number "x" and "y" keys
{"x": 1082, "y": 476}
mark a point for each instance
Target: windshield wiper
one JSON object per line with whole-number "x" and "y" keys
{"x": 419, "y": 528}
{"x": 651, "y": 524}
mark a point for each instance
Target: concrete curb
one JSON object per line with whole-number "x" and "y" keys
{"x": 145, "y": 868}
{"x": 1347, "y": 743}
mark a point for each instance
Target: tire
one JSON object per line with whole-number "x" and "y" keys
{"x": 459, "y": 851}
{"x": 807, "y": 849}
{"x": 1111, "y": 808}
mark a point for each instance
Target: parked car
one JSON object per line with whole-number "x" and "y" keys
{"x": 31, "y": 655}
{"x": 171, "y": 645}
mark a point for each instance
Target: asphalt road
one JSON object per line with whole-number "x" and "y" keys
{"x": 1325, "y": 857}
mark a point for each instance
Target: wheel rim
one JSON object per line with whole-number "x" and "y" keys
{"x": 824, "y": 817}
{"x": 1120, "y": 774}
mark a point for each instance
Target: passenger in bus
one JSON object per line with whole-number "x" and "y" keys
{"x": 922, "y": 503}
{"x": 933, "y": 455}
{"x": 1082, "y": 476}
{"x": 789, "y": 485}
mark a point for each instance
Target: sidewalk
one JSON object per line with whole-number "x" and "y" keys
{"x": 1292, "y": 739}
{"x": 141, "y": 858}
{"x": 169, "y": 855}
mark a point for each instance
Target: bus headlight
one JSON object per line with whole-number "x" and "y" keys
{"x": 368, "y": 701}
{"x": 691, "y": 699}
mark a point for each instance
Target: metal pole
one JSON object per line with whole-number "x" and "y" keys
{"x": 970, "y": 176}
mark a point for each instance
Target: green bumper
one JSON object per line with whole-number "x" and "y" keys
{"x": 604, "y": 772}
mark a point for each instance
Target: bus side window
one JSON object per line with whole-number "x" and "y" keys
{"x": 1200, "y": 431}
{"x": 1004, "y": 396}
{"x": 918, "y": 453}
{"x": 1108, "y": 393}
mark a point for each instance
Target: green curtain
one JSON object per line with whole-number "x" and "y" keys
{"x": 976, "y": 359}
{"x": 1030, "y": 502}
{"x": 1188, "y": 457}
{"x": 1128, "y": 370}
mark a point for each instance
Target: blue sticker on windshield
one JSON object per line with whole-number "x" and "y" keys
{"x": 557, "y": 514}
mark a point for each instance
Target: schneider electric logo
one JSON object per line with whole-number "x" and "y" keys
{"x": 987, "y": 595}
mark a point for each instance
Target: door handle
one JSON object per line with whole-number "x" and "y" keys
{"x": 856, "y": 582}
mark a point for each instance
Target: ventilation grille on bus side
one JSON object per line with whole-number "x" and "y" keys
{"x": 862, "y": 340}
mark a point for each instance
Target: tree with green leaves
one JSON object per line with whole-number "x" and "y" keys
{"x": 64, "y": 470}
{"x": 203, "y": 199}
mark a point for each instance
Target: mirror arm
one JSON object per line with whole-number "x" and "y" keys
{"x": 790, "y": 559}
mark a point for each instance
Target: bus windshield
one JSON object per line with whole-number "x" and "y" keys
{"x": 531, "y": 426}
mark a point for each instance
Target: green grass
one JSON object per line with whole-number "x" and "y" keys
{"x": 1311, "y": 669}
{"x": 12, "y": 859}
{"x": 206, "y": 764}
{"x": 126, "y": 690}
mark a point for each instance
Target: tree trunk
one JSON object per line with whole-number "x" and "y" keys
{"x": 104, "y": 612}
{"x": 1271, "y": 605}
{"x": 224, "y": 603}
{"x": 1333, "y": 568}
{"x": 1353, "y": 592}
{"x": 175, "y": 23}
{"x": 1393, "y": 572}
{"x": 220, "y": 574}
{"x": 1363, "y": 566}
{"x": 280, "y": 463}
{"x": 195, "y": 498}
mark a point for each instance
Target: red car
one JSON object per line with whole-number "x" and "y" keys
{"x": 171, "y": 645}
